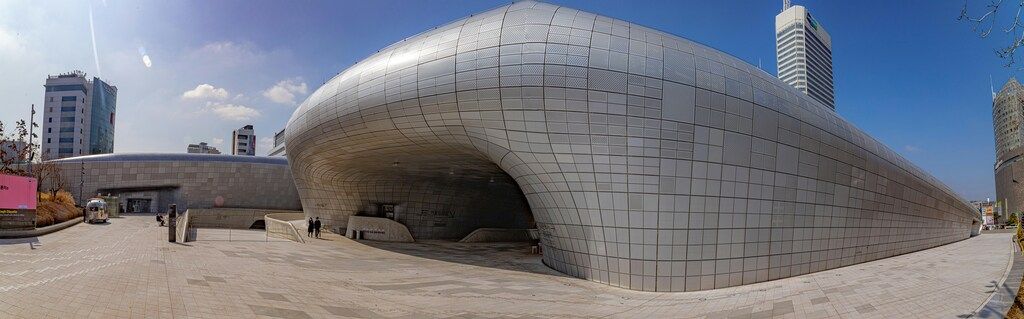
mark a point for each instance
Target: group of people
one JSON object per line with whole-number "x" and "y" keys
{"x": 313, "y": 227}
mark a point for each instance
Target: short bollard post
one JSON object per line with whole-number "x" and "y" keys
{"x": 172, "y": 222}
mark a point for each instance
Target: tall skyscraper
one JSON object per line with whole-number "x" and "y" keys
{"x": 804, "y": 52}
{"x": 243, "y": 141}
{"x": 1007, "y": 118}
{"x": 78, "y": 116}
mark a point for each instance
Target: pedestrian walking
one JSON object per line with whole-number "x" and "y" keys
{"x": 316, "y": 227}
{"x": 309, "y": 227}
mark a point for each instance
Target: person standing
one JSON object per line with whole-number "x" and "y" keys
{"x": 316, "y": 227}
{"x": 309, "y": 227}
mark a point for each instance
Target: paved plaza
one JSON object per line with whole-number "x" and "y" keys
{"x": 128, "y": 269}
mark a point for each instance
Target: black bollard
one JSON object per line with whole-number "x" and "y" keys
{"x": 172, "y": 222}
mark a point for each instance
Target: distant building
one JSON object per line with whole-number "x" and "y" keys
{"x": 243, "y": 141}
{"x": 987, "y": 209}
{"x": 1007, "y": 118}
{"x": 804, "y": 53}
{"x": 78, "y": 116}
{"x": 9, "y": 151}
{"x": 202, "y": 148}
{"x": 278, "y": 149}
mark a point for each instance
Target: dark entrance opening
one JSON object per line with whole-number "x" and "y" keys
{"x": 259, "y": 224}
{"x": 138, "y": 205}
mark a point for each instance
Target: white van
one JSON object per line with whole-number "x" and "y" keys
{"x": 96, "y": 211}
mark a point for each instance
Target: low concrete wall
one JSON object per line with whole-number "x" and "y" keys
{"x": 183, "y": 228}
{"x": 235, "y": 218}
{"x": 39, "y": 231}
{"x": 497, "y": 235}
{"x": 280, "y": 225}
{"x": 376, "y": 228}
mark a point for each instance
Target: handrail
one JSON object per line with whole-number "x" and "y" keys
{"x": 272, "y": 222}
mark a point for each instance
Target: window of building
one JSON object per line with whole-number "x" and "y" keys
{"x": 67, "y": 129}
{"x": 67, "y": 119}
{"x": 48, "y": 140}
{"x": 61, "y": 88}
{"x": 50, "y": 120}
{"x": 66, "y": 140}
{"x": 49, "y": 130}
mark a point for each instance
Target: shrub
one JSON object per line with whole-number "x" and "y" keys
{"x": 56, "y": 209}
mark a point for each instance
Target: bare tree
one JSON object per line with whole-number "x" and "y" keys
{"x": 988, "y": 21}
{"x": 49, "y": 174}
{"x": 14, "y": 149}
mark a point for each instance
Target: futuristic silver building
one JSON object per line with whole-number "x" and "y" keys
{"x": 151, "y": 182}
{"x": 646, "y": 160}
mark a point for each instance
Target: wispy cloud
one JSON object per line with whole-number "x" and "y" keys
{"x": 266, "y": 143}
{"x": 205, "y": 92}
{"x": 284, "y": 92}
{"x": 911, "y": 148}
{"x": 92, "y": 33}
{"x": 233, "y": 112}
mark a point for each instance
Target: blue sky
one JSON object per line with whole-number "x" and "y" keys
{"x": 907, "y": 72}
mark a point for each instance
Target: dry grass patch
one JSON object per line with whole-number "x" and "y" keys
{"x": 56, "y": 209}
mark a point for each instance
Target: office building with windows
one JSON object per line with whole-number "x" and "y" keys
{"x": 78, "y": 116}
{"x": 279, "y": 149}
{"x": 804, "y": 54}
{"x": 202, "y": 148}
{"x": 1007, "y": 118}
{"x": 243, "y": 141}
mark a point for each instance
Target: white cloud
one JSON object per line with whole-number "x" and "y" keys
{"x": 234, "y": 112}
{"x": 911, "y": 148}
{"x": 217, "y": 141}
{"x": 227, "y": 55}
{"x": 266, "y": 143}
{"x": 284, "y": 92}
{"x": 10, "y": 44}
{"x": 205, "y": 92}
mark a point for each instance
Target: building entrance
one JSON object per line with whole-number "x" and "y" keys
{"x": 138, "y": 205}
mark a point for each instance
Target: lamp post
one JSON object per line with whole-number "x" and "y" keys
{"x": 81, "y": 181}
{"x": 31, "y": 133}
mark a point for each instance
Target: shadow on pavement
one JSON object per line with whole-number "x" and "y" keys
{"x": 32, "y": 241}
{"x": 514, "y": 256}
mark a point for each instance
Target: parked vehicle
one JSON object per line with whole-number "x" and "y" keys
{"x": 96, "y": 211}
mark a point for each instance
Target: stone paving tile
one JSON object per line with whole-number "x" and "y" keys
{"x": 129, "y": 264}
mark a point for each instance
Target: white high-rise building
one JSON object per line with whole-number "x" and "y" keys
{"x": 243, "y": 141}
{"x": 278, "y": 149}
{"x": 78, "y": 116}
{"x": 804, "y": 52}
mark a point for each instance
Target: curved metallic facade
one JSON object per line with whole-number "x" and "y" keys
{"x": 647, "y": 161}
{"x": 188, "y": 180}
